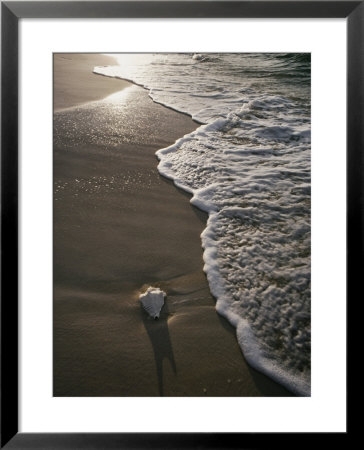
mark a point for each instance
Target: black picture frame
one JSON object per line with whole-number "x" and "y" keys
{"x": 11, "y": 12}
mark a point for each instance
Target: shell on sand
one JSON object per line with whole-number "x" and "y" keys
{"x": 152, "y": 301}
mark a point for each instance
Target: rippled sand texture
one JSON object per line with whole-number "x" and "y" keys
{"x": 118, "y": 228}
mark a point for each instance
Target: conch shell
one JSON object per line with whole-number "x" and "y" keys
{"x": 153, "y": 301}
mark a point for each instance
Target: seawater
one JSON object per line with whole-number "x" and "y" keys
{"x": 248, "y": 167}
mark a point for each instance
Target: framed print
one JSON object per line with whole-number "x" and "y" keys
{"x": 153, "y": 306}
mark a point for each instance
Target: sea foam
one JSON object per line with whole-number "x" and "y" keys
{"x": 248, "y": 167}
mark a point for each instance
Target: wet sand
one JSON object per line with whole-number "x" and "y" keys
{"x": 118, "y": 228}
{"x": 69, "y": 67}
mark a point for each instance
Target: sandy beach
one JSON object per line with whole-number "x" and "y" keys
{"x": 120, "y": 227}
{"x": 68, "y": 93}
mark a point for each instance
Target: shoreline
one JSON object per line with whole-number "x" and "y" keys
{"x": 80, "y": 66}
{"x": 127, "y": 80}
{"x": 119, "y": 227}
